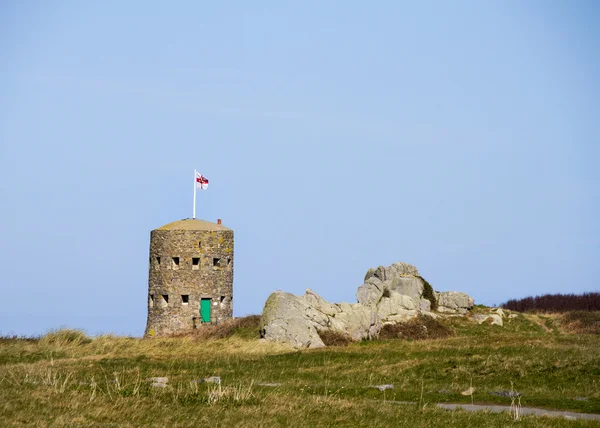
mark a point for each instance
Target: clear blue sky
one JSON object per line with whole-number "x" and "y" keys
{"x": 462, "y": 137}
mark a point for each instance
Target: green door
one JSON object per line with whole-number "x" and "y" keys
{"x": 205, "y": 310}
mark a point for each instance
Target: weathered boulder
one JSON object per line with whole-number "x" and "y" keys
{"x": 499, "y": 311}
{"x": 320, "y": 304}
{"x": 494, "y": 319}
{"x": 396, "y": 307}
{"x": 297, "y": 320}
{"x": 290, "y": 319}
{"x": 454, "y": 302}
{"x": 371, "y": 292}
{"x": 356, "y": 321}
{"x": 402, "y": 278}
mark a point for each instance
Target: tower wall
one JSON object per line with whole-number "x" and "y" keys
{"x": 188, "y": 262}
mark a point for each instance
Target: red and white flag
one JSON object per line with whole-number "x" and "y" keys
{"x": 201, "y": 182}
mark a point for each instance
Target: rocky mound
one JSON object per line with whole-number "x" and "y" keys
{"x": 389, "y": 295}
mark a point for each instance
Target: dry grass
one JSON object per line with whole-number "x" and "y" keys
{"x": 65, "y": 337}
{"x": 334, "y": 338}
{"x": 183, "y": 346}
{"x": 247, "y": 326}
{"x": 103, "y": 381}
{"x": 419, "y": 328}
{"x": 237, "y": 394}
{"x": 581, "y": 322}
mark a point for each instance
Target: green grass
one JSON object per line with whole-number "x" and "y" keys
{"x": 102, "y": 381}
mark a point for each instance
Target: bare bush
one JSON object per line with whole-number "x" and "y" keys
{"x": 582, "y": 322}
{"x": 555, "y": 303}
{"x": 421, "y": 327}
{"x": 334, "y": 338}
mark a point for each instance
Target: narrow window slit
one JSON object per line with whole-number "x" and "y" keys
{"x": 175, "y": 262}
{"x": 166, "y": 298}
{"x": 185, "y": 299}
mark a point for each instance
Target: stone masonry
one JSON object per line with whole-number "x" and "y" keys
{"x": 190, "y": 260}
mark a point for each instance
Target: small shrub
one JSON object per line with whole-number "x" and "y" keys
{"x": 582, "y": 322}
{"x": 386, "y": 292}
{"x": 429, "y": 294}
{"x": 65, "y": 336}
{"x": 419, "y": 328}
{"x": 334, "y": 338}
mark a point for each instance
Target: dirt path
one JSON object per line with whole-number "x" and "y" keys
{"x": 524, "y": 411}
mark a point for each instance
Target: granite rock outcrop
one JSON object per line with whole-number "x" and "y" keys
{"x": 389, "y": 295}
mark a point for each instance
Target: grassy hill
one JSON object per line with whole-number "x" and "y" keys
{"x": 68, "y": 379}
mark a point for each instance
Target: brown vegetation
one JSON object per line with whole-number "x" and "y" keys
{"x": 334, "y": 338}
{"x": 582, "y": 322}
{"x": 243, "y": 326}
{"x": 555, "y": 303}
{"x": 421, "y": 327}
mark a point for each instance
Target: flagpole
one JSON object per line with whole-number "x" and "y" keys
{"x": 194, "y": 212}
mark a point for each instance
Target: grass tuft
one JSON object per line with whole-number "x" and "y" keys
{"x": 65, "y": 336}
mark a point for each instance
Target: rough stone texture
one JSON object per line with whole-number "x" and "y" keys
{"x": 370, "y": 293}
{"x": 297, "y": 320}
{"x": 289, "y": 319}
{"x": 402, "y": 278}
{"x": 356, "y": 321}
{"x": 424, "y": 305}
{"x": 397, "y": 307}
{"x": 481, "y": 318}
{"x": 211, "y": 277}
{"x": 389, "y": 295}
{"x": 499, "y": 311}
{"x": 454, "y": 302}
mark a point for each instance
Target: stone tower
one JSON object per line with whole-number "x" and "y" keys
{"x": 190, "y": 280}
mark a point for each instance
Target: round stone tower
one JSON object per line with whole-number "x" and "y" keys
{"x": 190, "y": 280}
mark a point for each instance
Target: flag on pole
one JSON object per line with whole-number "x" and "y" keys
{"x": 201, "y": 182}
